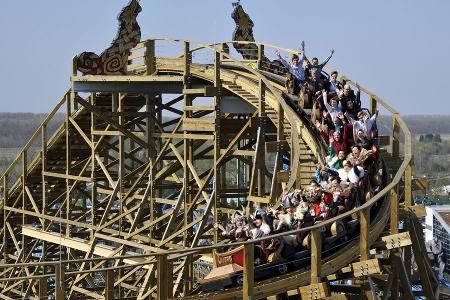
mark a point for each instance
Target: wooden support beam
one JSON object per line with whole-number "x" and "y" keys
{"x": 109, "y": 285}
{"x": 394, "y": 210}
{"x": 315, "y": 291}
{"x": 397, "y": 240}
{"x": 59, "y": 282}
{"x": 43, "y": 288}
{"x": 364, "y": 218}
{"x": 395, "y": 140}
{"x": 425, "y": 272}
{"x": 366, "y": 267}
{"x": 408, "y": 185}
{"x": 316, "y": 255}
{"x": 248, "y": 283}
{"x": 150, "y": 60}
{"x": 373, "y": 105}
{"x": 163, "y": 277}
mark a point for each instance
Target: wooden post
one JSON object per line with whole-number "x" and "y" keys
{"x": 262, "y": 153}
{"x": 59, "y": 281}
{"x": 5, "y": 203}
{"x": 74, "y": 66}
{"x": 225, "y": 50}
{"x": 394, "y": 229}
{"x": 170, "y": 291}
{"x": 93, "y": 169}
{"x": 394, "y": 210}
{"x": 43, "y": 288}
{"x": 248, "y": 283}
{"x": 188, "y": 156}
{"x": 24, "y": 198}
{"x": 217, "y": 135}
{"x": 364, "y": 218}
{"x": 280, "y": 130}
{"x": 316, "y": 255}
{"x": 373, "y": 105}
{"x": 150, "y": 60}
{"x": 68, "y": 160}
{"x": 408, "y": 185}
{"x": 109, "y": 285}
{"x": 260, "y": 55}
{"x": 162, "y": 276}
{"x": 395, "y": 136}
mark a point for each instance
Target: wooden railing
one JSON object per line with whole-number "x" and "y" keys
{"x": 145, "y": 62}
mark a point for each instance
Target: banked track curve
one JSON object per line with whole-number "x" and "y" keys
{"x": 243, "y": 79}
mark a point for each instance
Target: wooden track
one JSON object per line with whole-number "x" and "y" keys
{"x": 116, "y": 203}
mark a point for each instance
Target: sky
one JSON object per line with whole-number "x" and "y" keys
{"x": 398, "y": 49}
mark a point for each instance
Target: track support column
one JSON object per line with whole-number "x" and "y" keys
{"x": 316, "y": 255}
{"x": 249, "y": 270}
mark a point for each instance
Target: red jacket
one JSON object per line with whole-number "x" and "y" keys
{"x": 343, "y": 144}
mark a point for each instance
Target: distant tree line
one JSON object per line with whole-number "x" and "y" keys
{"x": 17, "y": 128}
{"x": 427, "y": 138}
{"x": 417, "y": 124}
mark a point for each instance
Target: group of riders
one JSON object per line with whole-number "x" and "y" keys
{"x": 349, "y": 176}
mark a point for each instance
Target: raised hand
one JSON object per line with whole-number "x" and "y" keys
{"x": 332, "y": 51}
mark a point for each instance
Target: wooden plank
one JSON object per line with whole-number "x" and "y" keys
{"x": 199, "y": 108}
{"x": 237, "y": 152}
{"x": 65, "y": 176}
{"x": 366, "y": 267}
{"x": 418, "y": 210}
{"x": 127, "y": 78}
{"x": 398, "y": 240}
{"x": 258, "y": 199}
{"x": 199, "y": 124}
{"x": 167, "y": 135}
{"x": 315, "y": 291}
{"x": 207, "y": 91}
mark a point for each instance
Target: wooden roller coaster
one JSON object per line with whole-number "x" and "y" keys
{"x": 118, "y": 201}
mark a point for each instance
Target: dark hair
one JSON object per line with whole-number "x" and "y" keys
{"x": 334, "y": 72}
{"x": 335, "y": 178}
{"x": 315, "y": 58}
{"x": 294, "y": 56}
{"x": 314, "y": 180}
{"x": 357, "y": 146}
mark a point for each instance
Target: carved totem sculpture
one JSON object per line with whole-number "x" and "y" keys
{"x": 114, "y": 60}
{"x": 244, "y": 32}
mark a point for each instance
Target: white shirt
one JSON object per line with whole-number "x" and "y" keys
{"x": 298, "y": 70}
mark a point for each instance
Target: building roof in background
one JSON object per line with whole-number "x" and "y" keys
{"x": 445, "y": 216}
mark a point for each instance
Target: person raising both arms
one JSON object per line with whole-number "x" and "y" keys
{"x": 295, "y": 67}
